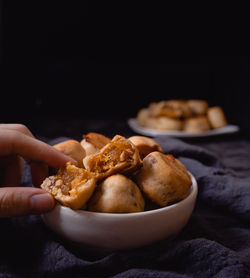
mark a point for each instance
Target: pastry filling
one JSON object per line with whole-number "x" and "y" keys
{"x": 115, "y": 153}
{"x": 67, "y": 181}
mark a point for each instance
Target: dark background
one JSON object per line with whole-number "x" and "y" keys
{"x": 73, "y": 61}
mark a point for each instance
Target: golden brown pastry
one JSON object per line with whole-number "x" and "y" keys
{"x": 181, "y": 106}
{"x": 117, "y": 193}
{"x": 170, "y": 108}
{"x": 164, "y": 123}
{"x": 216, "y": 117}
{"x": 198, "y": 107}
{"x": 71, "y": 186}
{"x": 72, "y": 148}
{"x": 163, "y": 179}
{"x": 120, "y": 155}
{"x": 192, "y": 116}
{"x": 142, "y": 116}
{"x": 196, "y": 125}
{"x": 145, "y": 145}
{"x": 93, "y": 142}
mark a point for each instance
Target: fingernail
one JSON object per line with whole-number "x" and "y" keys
{"x": 40, "y": 203}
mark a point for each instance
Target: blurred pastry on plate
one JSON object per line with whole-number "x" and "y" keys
{"x": 216, "y": 117}
{"x": 145, "y": 145}
{"x": 170, "y": 108}
{"x": 119, "y": 155}
{"x": 71, "y": 186}
{"x": 164, "y": 123}
{"x": 92, "y": 142}
{"x": 143, "y": 116}
{"x": 185, "y": 115}
{"x": 196, "y": 125}
{"x": 198, "y": 107}
{"x": 73, "y": 149}
{"x": 117, "y": 193}
{"x": 163, "y": 179}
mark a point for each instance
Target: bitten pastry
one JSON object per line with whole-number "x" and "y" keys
{"x": 72, "y": 148}
{"x": 71, "y": 186}
{"x": 216, "y": 117}
{"x": 145, "y": 145}
{"x": 93, "y": 142}
{"x": 117, "y": 193}
{"x": 198, "y": 107}
{"x": 163, "y": 179}
{"x": 120, "y": 155}
{"x": 196, "y": 125}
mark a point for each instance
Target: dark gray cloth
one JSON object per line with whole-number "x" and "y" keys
{"x": 214, "y": 243}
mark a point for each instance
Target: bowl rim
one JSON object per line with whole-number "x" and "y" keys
{"x": 192, "y": 195}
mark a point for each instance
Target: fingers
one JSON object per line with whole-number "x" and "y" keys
{"x": 16, "y": 201}
{"x": 16, "y": 139}
{"x": 17, "y": 127}
{"x": 15, "y": 142}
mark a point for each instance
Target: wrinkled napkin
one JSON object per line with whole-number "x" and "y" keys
{"x": 214, "y": 243}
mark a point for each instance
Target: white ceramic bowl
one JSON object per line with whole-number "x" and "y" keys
{"x": 117, "y": 231}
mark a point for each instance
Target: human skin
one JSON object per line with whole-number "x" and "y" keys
{"x": 18, "y": 143}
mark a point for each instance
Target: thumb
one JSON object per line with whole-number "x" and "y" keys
{"x": 16, "y": 201}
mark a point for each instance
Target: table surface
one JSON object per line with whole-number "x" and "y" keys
{"x": 214, "y": 243}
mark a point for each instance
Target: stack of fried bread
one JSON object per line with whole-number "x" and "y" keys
{"x": 118, "y": 175}
{"x": 191, "y": 116}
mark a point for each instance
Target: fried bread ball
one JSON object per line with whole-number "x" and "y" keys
{"x": 216, "y": 117}
{"x": 93, "y": 142}
{"x": 72, "y": 148}
{"x": 198, "y": 107}
{"x": 163, "y": 179}
{"x": 164, "y": 123}
{"x": 191, "y": 116}
{"x": 119, "y": 155}
{"x": 71, "y": 186}
{"x": 117, "y": 193}
{"x": 170, "y": 108}
{"x": 196, "y": 125}
{"x": 142, "y": 116}
{"x": 145, "y": 145}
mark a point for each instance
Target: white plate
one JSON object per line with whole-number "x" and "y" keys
{"x": 132, "y": 122}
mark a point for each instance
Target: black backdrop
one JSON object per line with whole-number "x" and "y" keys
{"x": 67, "y": 60}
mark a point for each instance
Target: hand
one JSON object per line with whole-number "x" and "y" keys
{"x": 18, "y": 143}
